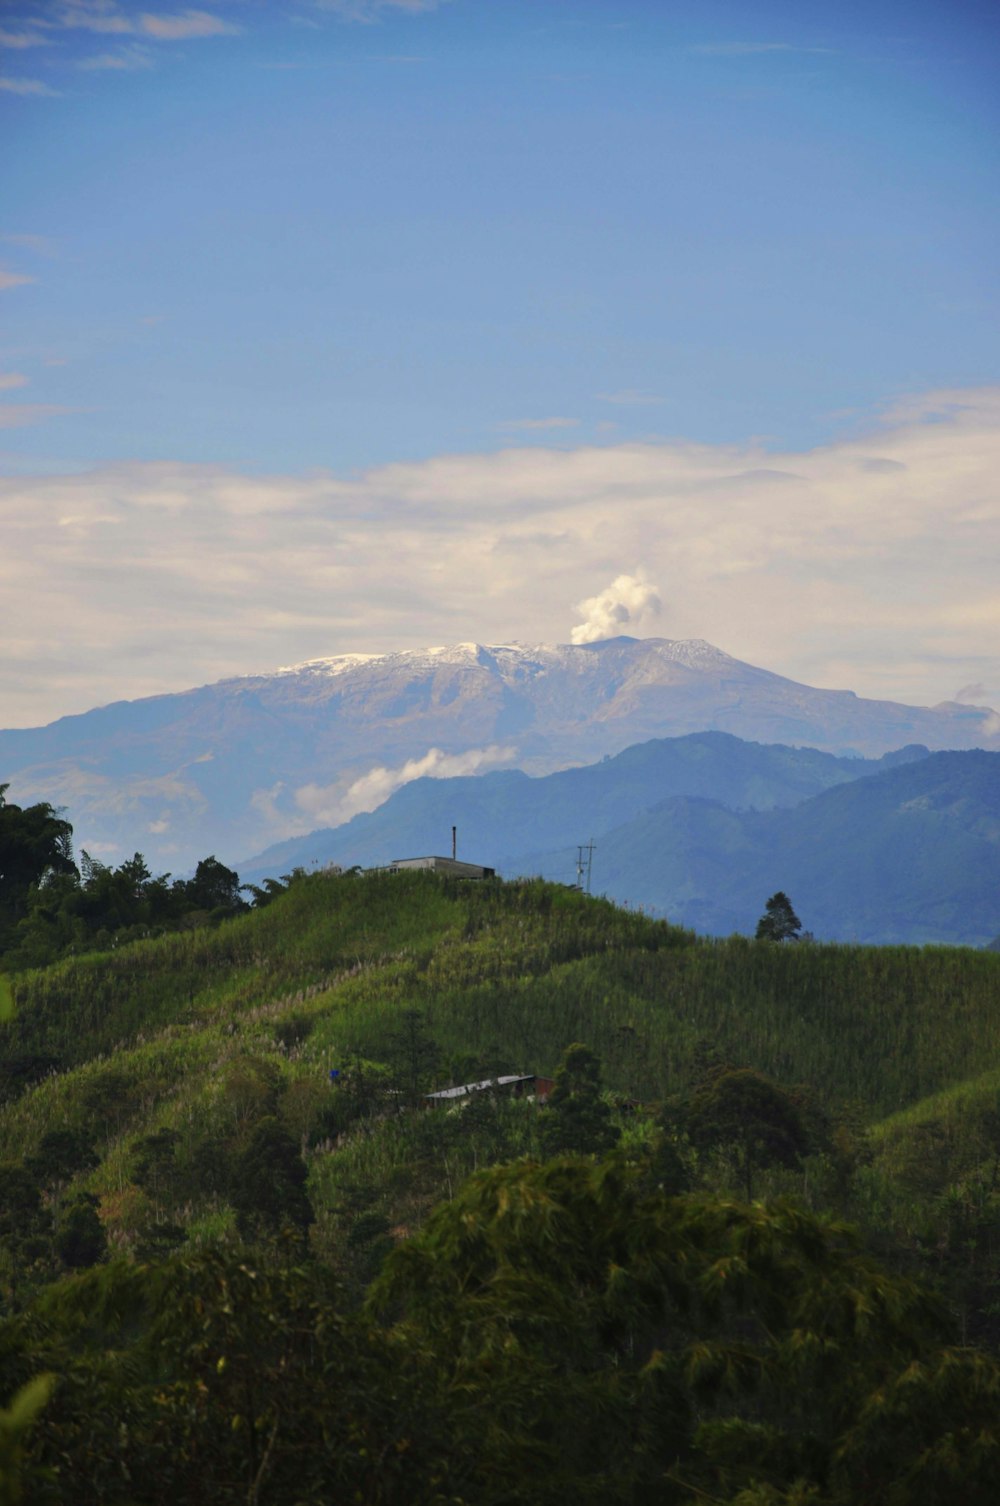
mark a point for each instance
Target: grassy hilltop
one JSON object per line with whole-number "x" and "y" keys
{"x": 413, "y": 981}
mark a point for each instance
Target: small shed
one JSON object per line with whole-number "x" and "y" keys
{"x": 526, "y": 1085}
{"x": 450, "y": 866}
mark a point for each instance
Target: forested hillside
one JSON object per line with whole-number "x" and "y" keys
{"x": 183, "y": 1112}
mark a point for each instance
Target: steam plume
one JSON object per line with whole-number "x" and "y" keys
{"x": 628, "y": 599}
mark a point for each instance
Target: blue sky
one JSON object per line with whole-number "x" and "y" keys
{"x": 271, "y": 239}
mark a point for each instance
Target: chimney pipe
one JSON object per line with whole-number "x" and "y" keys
{"x": 454, "y": 842}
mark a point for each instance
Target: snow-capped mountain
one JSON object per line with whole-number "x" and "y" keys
{"x": 231, "y": 767}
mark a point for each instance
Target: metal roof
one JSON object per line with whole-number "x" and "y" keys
{"x": 478, "y": 1087}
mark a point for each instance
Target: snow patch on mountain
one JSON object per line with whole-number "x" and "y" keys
{"x": 231, "y": 767}
{"x": 510, "y": 660}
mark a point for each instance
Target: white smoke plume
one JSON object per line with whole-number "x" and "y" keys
{"x": 332, "y": 804}
{"x": 628, "y": 599}
{"x": 970, "y": 694}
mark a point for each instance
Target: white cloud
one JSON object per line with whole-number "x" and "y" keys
{"x": 372, "y": 10}
{"x": 20, "y": 415}
{"x": 107, "y": 18}
{"x": 126, "y": 60}
{"x": 750, "y": 49}
{"x": 540, "y": 423}
{"x": 184, "y": 27}
{"x": 42, "y": 245}
{"x": 25, "y": 86}
{"x": 329, "y": 805}
{"x": 11, "y": 379}
{"x": 627, "y": 602}
{"x": 13, "y": 279}
{"x": 94, "y": 15}
{"x": 265, "y": 803}
{"x": 820, "y": 565}
{"x": 629, "y": 397}
{"x": 18, "y": 40}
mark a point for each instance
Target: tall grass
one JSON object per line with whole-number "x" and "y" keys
{"x": 183, "y": 1031}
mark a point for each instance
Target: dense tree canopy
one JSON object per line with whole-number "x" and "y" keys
{"x": 50, "y": 907}
{"x": 745, "y": 1114}
{"x": 558, "y": 1332}
{"x": 34, "y": 841}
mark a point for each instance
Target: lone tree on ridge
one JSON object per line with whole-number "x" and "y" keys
{"x": 779, "y": 921}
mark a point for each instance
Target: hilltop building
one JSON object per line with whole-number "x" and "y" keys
{"x": 450, "y": 866}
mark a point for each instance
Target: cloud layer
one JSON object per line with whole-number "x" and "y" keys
{"x": 329, "y": 805}
{"x": 869, "y": 563}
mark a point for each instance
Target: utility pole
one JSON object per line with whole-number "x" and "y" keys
{"x": 584, "y": 864}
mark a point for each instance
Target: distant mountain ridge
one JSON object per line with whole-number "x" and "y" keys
{"x": 909, "y": 855}
{"x": 905, "y": 849}
{"x": 230, "y": 767}
{"x": 503, "y": 815}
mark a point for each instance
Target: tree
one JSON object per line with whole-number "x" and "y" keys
{"x": 80, "y": 1238}
{"x": 155, "y": 1168}
{"x": 269, "y": 1184}
{"x": 213, "y": 888}
{"x": 576, "y": 1120}
{"x": 559, "y": 1332}
{"x": 60, "y": 1155}
{"x": 779, "y": 921}
{"x": 264, "y": 893}
{"x": 21, "y": 1223}
{"x": 15, "y": 1422}
{"x": 613, "y": 1345}
{"x": 34, "y": 841}
{"x": 750, "y": 1117}
{"x": 414, "y": 1055}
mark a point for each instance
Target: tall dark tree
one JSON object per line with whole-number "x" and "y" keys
{"x": 576, "y": 1120}
{"x": 80, "y": 1238}
{"x": 34, "y": 841}
{"x": 779, "y": 921}
{"x": 414, "y": 1055}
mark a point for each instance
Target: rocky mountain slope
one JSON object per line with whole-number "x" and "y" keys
{"x": 230, "y": 767}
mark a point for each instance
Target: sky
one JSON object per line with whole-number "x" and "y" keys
{"x": 336, "y": 326}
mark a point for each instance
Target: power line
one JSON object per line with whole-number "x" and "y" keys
{"x": 584, "y": 864}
